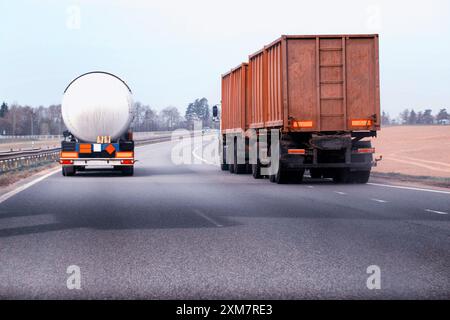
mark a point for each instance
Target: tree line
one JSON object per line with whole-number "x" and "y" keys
{"x": 16, "y": 119}
{"x": 411, "y": 117}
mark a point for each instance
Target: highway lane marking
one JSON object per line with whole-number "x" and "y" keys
{"x": 200, "y": 158}
{"x": 434, "y": 211}
{"x": 12, "y": 193}
{"x": 209, "y": 219}
{"x": 379, "y": 200}
{"x": 408, "y": 188}
{"x": 340, "y": 192}
{"x": 310, "y": 187}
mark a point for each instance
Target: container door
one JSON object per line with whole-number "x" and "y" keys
{"x": 331, "y": 84}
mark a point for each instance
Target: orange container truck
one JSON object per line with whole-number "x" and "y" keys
{"x": 321, "y": 94}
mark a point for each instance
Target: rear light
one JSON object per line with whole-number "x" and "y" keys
{"x": 127, "y": 161}
{"x": 296, "y": 151}
{"x": 362, "y": 123}
{"x": 66, "y": 161}
{"x": 66, "y": 154}
{"x": 366, "y": 150}
{"x": 124, "y": 154}
{"x": 302, "y": 124}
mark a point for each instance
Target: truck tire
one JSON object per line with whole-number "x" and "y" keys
{"x": 315, "y": 173}
{"x": 238, "y": 168}
{"x": 231, "y": 165}
{"x": 282, "y": 176}
{"x": 224, "y": 166}
{"x": 68, "y": 171}
{"x": 360, "y": 176}
{"x": 364, "y": 175}
{"x": 256, "y": 170}
{"x": 128, "y": 170}
{"x": 341, "y": 175}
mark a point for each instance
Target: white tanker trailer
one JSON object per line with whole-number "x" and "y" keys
{"x": 97, "y": 111}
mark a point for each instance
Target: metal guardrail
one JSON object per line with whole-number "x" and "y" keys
{"x": 16, "y": 160}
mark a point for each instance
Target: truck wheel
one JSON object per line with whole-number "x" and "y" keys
{"x": 128, "y": 170}
{"x": 341, "y": 175}
{"x": 231, "y": 165}
{"x": 315, "y": 173}
{"x": 238, "y": 168}
{"x": 256, "y": 170}
{"x": 68, "y": 171}
{"x": 282, "y": 176}
{"x": 360, "y": 176}
{"x": 224, "y": 166}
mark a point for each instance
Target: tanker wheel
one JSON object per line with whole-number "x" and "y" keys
{"x": 315, "y": 173}
{"x": 297, "y": 176}
{"x": 68, "y": 171}
{"x": 128, "y": 170}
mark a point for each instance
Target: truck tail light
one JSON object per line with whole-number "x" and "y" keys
{"x": 127, "y": 161}
{"x": 124, "y": 154}
{"x": 366, "y": 150}
{"x": 302, "y": 124}
{"x": 362, "y": 123}
{"x": 68, "y": 154}
{"x": 66, "y": 161}
{"x": 296, "y": 151}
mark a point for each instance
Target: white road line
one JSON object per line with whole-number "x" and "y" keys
{"x": 209, "y": 219}
{"x": 12, "y": 193}
{"x": 434, "y": 211}
{"x": 379, "y": 200}
{"x": 340, "y": 192}
{"x": 408, "y": 188}
{"x": 200, "y": 158}
{"x": 310, "y": 187}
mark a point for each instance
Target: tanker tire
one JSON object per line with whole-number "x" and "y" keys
{"x": 128, "y": 170}
{"x": 68, "y": 171}
{"x": 315, "y": 173}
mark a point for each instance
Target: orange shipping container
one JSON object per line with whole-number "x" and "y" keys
{"x": 235, "y": 99}
{"x": 315, "y": 83}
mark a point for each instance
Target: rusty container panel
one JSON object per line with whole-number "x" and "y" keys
{"x": 258, "y": 92}
{"x": 332, "y": 83}
{"x": 234, "y": 100}
{"x": 274, "y": 114}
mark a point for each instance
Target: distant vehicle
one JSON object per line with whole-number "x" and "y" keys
{"x": 444, "y": 122}
{"x": 322, "y": 95}
{"x": 97, "y": 110}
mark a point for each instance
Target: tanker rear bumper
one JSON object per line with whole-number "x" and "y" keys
{"x": 98, "y": 162}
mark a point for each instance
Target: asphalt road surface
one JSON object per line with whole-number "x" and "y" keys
{"x": 194, "y": 232}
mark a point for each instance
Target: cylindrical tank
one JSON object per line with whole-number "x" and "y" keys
{"x": 97, "y": 104}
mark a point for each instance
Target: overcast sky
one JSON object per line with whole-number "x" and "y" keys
{"x": 171, "y": 52}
